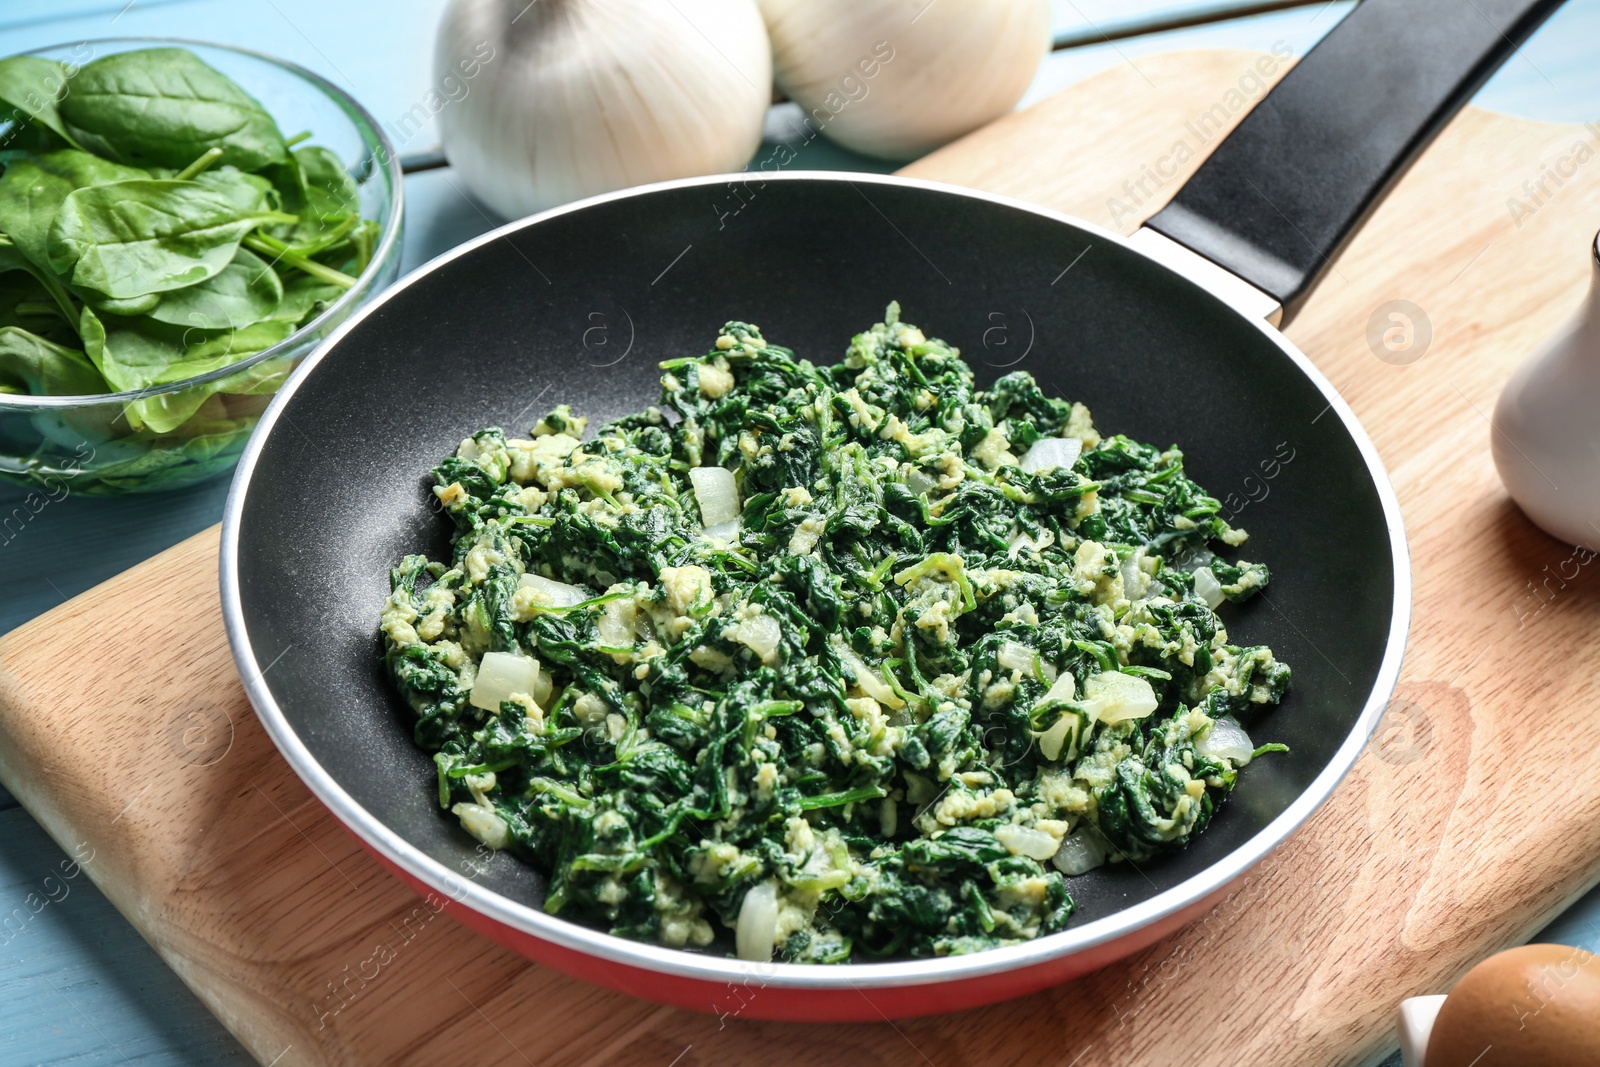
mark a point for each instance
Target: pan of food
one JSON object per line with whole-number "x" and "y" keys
{"x": 690, "y": 598}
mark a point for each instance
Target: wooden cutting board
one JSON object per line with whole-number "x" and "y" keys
{"x": 1473, "y": 819}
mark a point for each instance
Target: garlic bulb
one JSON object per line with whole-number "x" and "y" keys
{"x": 578, "y": 97}
{"x": 898, "y": 78}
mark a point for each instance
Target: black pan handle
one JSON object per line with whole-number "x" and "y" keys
{"x": 1299, "y": 174}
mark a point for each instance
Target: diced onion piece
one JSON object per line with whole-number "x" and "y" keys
{"x": 1207, "y": 588}
{"x": 615, "y": 624}
{"x": 718, "y": 496}
{"x": 919, "y": 482}
{"x": 1023, "y": 542}
{"x": 1015, "y": 657}
{"x": 1113, "y": 696}
{"x": 760, "y": 634}
{"x": 480, "y": 785}
{"x": 1081, "y": 852}
{"x": 723, "y": 531}
{"x": 1050, "y": 452}
{"x": 870, "y": 683}
{"x": 757, "y": 928}
{"x": 1063, "y": 688}
{"x": 1053, "y": 740}
{"x": 1023, "y": 841}
{"x": 1227, "y": 740}
{"x": 559, "y": 594}
{"x": 484, "y": 823}
{"x": 1133, "y": 579}
{"x": 502, "y": 674}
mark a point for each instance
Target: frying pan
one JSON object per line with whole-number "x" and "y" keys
{"x": 1167, "y": 336}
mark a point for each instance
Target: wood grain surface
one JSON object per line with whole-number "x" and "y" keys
{"x": 1468, "y": 824}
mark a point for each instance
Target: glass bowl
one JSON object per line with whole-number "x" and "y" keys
{"x": 89, "y": 444}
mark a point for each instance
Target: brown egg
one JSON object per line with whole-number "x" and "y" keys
{"x": 1535, "y": 1006}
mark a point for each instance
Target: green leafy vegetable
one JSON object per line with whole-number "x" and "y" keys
{"x": 139, "y": 354}
{"x": 305, "y": 297}
{"x": 154, "y": 226}
{"x": 33, "y": 189}
{"x": 322, "y": 194}
{"x": 949, "y": 655}
{"x": 163, "y": 107}
{"x": 246, "y": 291}
{"x": 126, "y": 239}
{"x": 27, "y": 304}
{"x": 36, "y": 87}
{"x": 30, "y": 364}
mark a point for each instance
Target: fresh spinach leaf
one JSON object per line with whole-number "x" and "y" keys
{"x": 165, "y": 107}
{"x": 317, "y": 187}
{"x": 331, "y": 195}
{"x": 305, "y": 297}
{"x": 133, "y": 305}
{"x": 35, "y": 88}
{"x": 33, "y": 189}
{"x": 137, "y": 353}
{"x": 126, "y": 239}
{"x": 31, "y": 364}
{"x": 246, "y": 291}
{"x": 165, "y": 412}
{"x": 239, "y": 185}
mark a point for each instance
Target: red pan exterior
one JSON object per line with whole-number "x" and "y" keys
{"x": 753, "y": 999}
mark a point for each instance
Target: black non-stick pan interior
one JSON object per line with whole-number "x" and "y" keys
{"x": 579, "y": 308}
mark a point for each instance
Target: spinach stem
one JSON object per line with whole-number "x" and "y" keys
{"x": 59, "y": 294}
{"x": 364, "y": 237}
{"x": 271, "y": 246}
{"x": 303, "y": 135}
{"x": 208, "y": 157}
{"x": 848, "y": 796}
{"x": 333, "y": 237}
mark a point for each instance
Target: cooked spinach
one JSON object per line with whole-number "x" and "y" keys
{"x": 156, "y": 224}
{"x": 939, "y": 649}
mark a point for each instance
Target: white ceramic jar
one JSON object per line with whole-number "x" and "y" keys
{"x": 1546, "y": 434}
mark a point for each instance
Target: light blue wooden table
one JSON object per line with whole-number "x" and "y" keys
{"x": 78, "y": 984}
